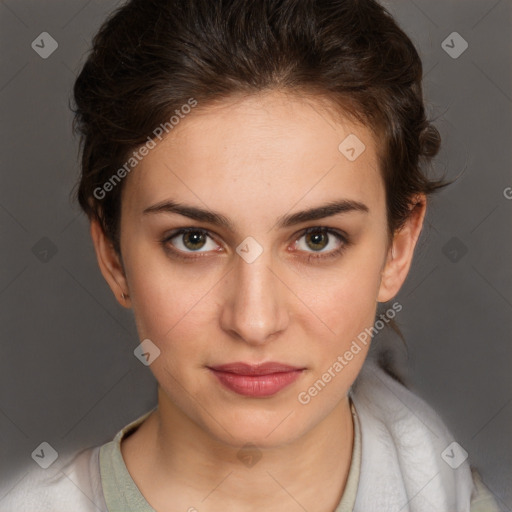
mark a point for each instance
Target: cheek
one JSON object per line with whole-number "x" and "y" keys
{"x": 339, "y": 344}
{"x": 165, "y": 305}
{"x": 344, "y": 301}
{"x": 157, "y": 301}
{"x": 169, "y": 304}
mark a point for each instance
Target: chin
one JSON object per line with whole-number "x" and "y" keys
{"x": 262, "y": 428}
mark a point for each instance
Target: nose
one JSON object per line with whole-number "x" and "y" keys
{"x": 255, "y": 305}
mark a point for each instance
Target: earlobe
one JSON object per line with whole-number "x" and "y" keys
{"x": 401, "y": 252}
{"x": 110, "y": 264}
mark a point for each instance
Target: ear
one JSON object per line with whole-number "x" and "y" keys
{"x": 400, "y": 254}
{"x": 110, "y": 264}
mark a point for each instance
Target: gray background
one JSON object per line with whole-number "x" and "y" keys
{"x": 67, "y": 371}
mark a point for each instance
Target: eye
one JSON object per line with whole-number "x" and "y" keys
{"x": 189, "y": 240}
{"x": 319, "y": 241}
{"x": 324, "y": 242}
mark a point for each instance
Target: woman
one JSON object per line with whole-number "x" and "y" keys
{"x": 254, "y": 175}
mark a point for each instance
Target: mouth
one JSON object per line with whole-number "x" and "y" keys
{"x": 256, "y": 380}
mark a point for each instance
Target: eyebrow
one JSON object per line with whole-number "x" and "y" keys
{"x": 203, "y": 215}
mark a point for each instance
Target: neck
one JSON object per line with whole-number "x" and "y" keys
{"x": 173, "y": 460}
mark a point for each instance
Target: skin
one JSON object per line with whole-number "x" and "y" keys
{"x": 253, "y": 159}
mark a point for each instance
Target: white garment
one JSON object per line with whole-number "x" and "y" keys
{"x": 402, "y": 441}
{"x": 401, "y": 465}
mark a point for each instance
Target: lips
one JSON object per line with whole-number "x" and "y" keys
{"x": 260, "y": 380}
{"x": 257, "y": 369}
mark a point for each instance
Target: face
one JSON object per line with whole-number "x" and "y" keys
{"x": 232, "y": 256}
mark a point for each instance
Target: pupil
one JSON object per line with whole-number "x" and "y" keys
{"x": 317, "y": 239}
{"x": 196, "y": 237}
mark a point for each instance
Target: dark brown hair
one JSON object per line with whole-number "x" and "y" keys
{"x": 151, "y": 56}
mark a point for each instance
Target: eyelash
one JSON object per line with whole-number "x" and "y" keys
{"x": 343, "y": 238}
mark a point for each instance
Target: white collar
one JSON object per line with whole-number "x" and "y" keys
{"x": 402, "y": 469}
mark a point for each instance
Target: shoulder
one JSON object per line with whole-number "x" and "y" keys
{"x": 73, "y": 484}
{"x": 482, "y": 500}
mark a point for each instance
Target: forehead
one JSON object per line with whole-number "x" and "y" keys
{"x": 265, "y": 148}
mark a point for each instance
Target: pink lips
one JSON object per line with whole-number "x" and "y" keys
{"x": 256, "y": 380}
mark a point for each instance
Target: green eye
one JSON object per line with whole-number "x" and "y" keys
{"x": 318, "y": 238}
{"x": 184, "y": 242}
